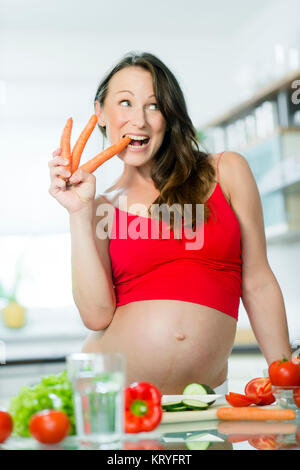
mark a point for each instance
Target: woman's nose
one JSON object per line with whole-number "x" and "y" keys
{"x": 139, "y": 118}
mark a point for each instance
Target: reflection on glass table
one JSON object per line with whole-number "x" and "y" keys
{"x": 208, "y": 435}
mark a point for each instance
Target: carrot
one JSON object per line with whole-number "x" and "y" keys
{"x": 102, "y": 157}
{"x": 254, "y": 413}
{"x": 65, "y": 143}
{"x": 250, "y": 428}
{"x": 81, "y": 141}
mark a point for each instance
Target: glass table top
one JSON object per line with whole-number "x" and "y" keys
{"x": 204, "y": 435}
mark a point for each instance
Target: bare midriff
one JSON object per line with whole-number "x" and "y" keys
{"x": 169, "y": 343}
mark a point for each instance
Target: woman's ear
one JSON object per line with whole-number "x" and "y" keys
{"x": 100, "y": 114}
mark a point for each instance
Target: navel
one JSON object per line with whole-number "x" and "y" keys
{"x": 180, "y": 336}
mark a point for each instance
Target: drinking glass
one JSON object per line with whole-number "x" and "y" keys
{"x": 98, "y": 381}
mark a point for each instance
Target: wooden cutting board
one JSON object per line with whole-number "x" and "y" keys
{"x": 189, "y": 416}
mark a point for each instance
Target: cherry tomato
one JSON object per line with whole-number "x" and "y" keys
{"x": 285, "y": 373}
{"x": 6, "y": 425}
{"x": 237, "y": 399}
{"x": 297, "y": 397}
{"x": 49, "y": 426}
{"x": 260, "y": 391}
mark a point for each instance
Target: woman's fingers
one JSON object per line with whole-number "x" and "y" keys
{"x": 57, "y": 160}
{"x": 56, "y": 152}
{"x": 59, "y": 171}
{"x": 57, "y": 184}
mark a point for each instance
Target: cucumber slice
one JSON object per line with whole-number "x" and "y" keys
{"x": 197, "y": 445}
{"x": 195, "y": 404}
{"x": 172, "y": 404}
{"x": 192, "y": 444}
{"x": 199, "y": 389}
{"x": 175, "y": 408}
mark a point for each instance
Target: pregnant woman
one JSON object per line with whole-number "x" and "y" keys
{"x": 172, "y": 311}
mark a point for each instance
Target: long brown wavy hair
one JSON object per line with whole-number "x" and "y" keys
{"x": 181, "y": 171}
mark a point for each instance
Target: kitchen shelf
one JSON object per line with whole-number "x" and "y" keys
{"x": 266, "y": 130}
{"x": 266, "y": 93}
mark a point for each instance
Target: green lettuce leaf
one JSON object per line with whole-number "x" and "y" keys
{"x": 53, "y": 392}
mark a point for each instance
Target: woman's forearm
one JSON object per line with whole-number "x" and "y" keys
{"x": 92, "y": 288}
{"x": 266, "y": 312}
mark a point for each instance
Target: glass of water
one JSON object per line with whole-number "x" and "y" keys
{"x": 98, "y": 381}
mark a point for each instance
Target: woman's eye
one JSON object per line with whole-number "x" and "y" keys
{"x": 152, "y": 105}
{"x": 124, "y": 101}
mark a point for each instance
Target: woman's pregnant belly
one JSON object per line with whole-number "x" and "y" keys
{"x": 169, "y": 343}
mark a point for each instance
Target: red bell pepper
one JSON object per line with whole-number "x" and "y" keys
{"x": 143, "y": 410}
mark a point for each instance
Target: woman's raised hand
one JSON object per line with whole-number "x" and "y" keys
{"x": 77, "y": 196}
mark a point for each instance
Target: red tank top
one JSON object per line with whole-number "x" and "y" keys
{"x": 149, "y": 268}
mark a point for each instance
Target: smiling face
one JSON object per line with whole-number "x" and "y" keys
{"x": 130, "y": 108}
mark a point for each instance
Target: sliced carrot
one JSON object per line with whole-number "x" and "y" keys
{"x": 65, "y": 143}
{"x": 254, "y": 413}
{"x": 81, "y": 142}
{"x": 102, "y": 157}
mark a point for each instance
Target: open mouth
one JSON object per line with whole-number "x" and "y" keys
{"x": 138, "y": 141}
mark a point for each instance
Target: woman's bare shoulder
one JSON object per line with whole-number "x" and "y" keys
{"x": 111, "y": 197}
{"x": 237, "y": 175}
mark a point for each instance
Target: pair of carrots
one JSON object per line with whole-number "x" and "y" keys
{"x": 74, "y": 156}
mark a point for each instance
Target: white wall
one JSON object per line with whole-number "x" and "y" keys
{"x": 52, "y": 56}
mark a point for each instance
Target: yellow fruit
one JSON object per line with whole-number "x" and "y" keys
{"x": 14, "y": 315}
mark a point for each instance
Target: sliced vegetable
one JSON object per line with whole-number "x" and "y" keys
{"x": 237, "y": 399}
{"x": 264, "y": 442}
{"x": 195, "y": 404}
{"x": 199, "y": 389}
{"x": 193, "y": 444}
{"x": 285, "y": 372}
{"x": 259, "y": 390}
{"x": 172, "y": 404}
{"x": 254, "y": 413}
{"x": 175, "y": 408}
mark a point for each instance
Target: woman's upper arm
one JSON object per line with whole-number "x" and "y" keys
{"x": 101, "y": 236}
{"x": 246, "y": 204}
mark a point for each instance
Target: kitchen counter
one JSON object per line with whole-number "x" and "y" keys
{"x": 203, "y": 435}
{"x": 48, "y": 333}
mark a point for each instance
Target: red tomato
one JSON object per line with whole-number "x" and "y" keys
{"x": 284, "y": 373}
{"x": 6, "y": 425}
{"x": 237, "y": 399}
{"x": 264, "y": 442}
{"x": 49, "y": 426}
{"x": 260, "y": 391}
{"x": 297, "y": 397}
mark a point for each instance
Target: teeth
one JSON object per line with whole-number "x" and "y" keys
{"x": 137, "y": 137}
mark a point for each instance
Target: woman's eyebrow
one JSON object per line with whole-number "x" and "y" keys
{"x": 121, "y": 91}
